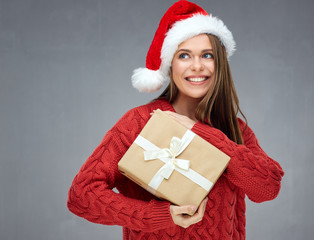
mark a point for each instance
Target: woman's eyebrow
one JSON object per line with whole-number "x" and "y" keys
{"x": 184, "y": 50}
{"x": 188, "y": 50}
{"x": 207, "y": 50}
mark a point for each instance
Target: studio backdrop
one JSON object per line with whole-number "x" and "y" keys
{"x": 65, "y": 69}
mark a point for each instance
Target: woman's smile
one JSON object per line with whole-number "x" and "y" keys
{"x": 198, "y": 80}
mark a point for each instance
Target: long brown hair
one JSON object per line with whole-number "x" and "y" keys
{"x": 220, "y": 106}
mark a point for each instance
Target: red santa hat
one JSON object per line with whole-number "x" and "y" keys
{"x": 182, "y": 21}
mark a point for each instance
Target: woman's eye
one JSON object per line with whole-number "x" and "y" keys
{"x": 184, "y": 56}
{"x": 208, "y": 55}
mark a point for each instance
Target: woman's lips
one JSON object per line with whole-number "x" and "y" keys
{"x": 197, "y": 80}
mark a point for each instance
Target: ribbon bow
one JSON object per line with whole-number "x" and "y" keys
{"x": 168, "y": 156}
{"x": 177, "y": 146}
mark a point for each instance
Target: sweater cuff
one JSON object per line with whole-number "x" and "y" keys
{"x": 160, "y": 215}
{"x": 200, "y": 129}
{"x": 216, "y": 138}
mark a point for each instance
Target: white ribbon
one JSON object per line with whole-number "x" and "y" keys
{"x": 168, "y": 156}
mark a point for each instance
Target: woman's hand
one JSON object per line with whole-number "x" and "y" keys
{"x": 184, "y": 120}
{"x": 180, "y": 214}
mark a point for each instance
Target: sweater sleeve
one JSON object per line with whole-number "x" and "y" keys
{"x": 249, "y": 168}
{"x": 91, "y": 195}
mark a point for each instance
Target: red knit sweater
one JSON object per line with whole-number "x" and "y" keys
{"x": 250, "y": 172}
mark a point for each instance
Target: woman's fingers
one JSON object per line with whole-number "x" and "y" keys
{"x": 173, "y": 114}
{"x": 177, "y": 210}
{"x": 180, "y": 217}
{"x": 198, "y": 216}
{"x": 201, "y": 210}
{"x": 184, "y": 120}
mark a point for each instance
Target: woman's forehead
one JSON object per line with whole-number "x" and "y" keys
{"x": 198, "y": 42}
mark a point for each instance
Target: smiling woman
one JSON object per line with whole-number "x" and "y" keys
{"x": 218, "y": 101}
{"x": 191, "y": 48}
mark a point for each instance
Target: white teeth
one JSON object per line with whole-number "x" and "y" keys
{"x": 197, "y": 79}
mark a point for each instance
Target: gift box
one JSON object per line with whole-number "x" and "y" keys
{"x": 172, "y": 162}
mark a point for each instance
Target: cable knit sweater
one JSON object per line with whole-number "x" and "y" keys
{"x": 250, "y": 172}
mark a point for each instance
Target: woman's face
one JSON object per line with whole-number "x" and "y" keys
{"x": 193, "y": 68}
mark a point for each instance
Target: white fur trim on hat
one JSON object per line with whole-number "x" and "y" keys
{"x": 190, "y": 27}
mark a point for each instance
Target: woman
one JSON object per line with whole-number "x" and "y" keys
{"x": 191, "y": 48}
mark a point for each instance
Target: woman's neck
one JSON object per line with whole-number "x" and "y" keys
{"x": 186, "y": 106}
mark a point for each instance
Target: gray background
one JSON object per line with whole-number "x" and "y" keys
{"x": 65, "y": 68}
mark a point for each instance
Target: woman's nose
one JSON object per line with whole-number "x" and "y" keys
{"x": 197, "y": 64}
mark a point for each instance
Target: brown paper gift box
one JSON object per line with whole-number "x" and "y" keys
{"x": 205, "y": 159}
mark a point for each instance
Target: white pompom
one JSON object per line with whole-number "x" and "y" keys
{"x": 146, "y": 80}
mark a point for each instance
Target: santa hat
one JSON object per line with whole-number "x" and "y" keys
{"x": 182, "y": 21}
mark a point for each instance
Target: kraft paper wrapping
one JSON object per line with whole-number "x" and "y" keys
{"x": 205, "y": 159}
